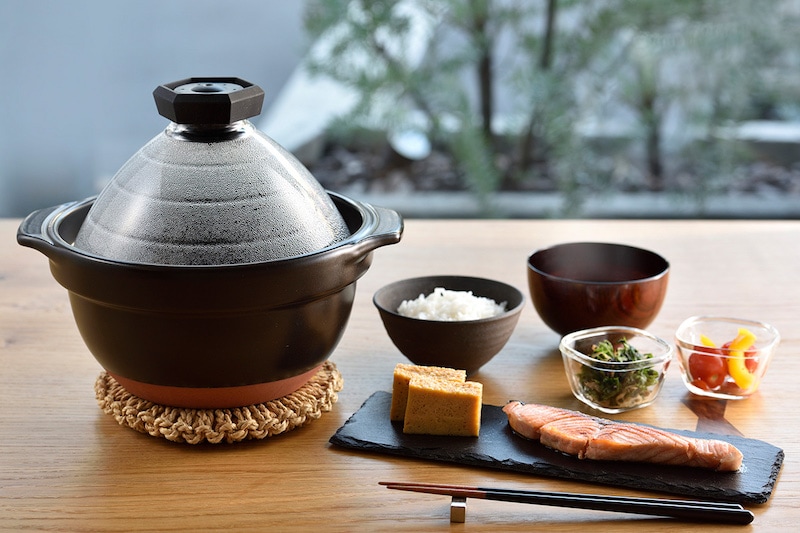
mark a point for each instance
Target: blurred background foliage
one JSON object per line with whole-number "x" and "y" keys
{"x": 691, "y": 105}
{"x": 576, "y": 96}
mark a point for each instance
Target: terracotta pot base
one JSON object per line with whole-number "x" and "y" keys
{"x": 215, "y": 397}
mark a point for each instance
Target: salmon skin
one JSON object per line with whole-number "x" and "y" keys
{"x": 590, "y": 437}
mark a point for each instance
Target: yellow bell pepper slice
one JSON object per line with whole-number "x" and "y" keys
{"x": 705, "y": 341}
{"x": 736, "y": 365}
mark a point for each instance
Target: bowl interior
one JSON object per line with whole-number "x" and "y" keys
{"x": 591, "y": 262}
{"x": 391, "y": 296}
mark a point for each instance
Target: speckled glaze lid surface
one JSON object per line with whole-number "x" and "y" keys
{"x": 210, "y": 189}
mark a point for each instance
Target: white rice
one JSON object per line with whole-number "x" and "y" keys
{"x": 450, "y": 306}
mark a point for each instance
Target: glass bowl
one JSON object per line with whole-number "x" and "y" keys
{"x": 615, "y": 386}
{"x": 712, "y": 366}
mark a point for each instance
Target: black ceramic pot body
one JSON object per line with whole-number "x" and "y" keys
{"x": 211, "y": 336}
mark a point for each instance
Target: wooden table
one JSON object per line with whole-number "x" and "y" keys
{"x": 66, "y": 465}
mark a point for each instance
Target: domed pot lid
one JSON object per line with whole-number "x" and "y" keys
{"x": 210, "y": 189}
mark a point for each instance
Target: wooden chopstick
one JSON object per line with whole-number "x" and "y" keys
{"x": 730, "y": 513}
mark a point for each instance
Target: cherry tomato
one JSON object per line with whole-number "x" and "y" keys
{"x": 706, "y": 366}
{"x": 750, "y": 357}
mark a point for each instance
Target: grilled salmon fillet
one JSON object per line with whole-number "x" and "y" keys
{"x": 590, "y": 437}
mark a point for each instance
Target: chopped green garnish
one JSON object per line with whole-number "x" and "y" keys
{"x": 614, "y": 388}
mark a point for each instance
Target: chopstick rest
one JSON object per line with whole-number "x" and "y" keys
{"x": 692, "y": 510}
{"x": 458, "y": 510}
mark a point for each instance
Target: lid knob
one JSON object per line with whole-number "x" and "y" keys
{"x": 208, "y": 100}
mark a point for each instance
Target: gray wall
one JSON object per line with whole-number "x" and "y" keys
{"x": 77, "y": 79}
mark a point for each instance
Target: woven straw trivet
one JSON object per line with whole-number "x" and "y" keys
{"x": 194, "y": 426}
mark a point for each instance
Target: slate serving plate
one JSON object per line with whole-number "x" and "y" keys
{"x": 369, "y": 429}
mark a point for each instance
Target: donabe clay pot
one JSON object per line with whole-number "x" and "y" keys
{"x": 211, "y": 336}
{"x": 213, "y": 270}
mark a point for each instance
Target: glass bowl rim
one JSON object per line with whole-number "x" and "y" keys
{"x": 568, "y": 341}
{"x": 692, "y": 321}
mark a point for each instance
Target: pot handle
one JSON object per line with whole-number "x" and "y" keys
{"x": 38, "y": 229}
{"x": 32, "y": 231}
{"x": 387, "y": 229}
